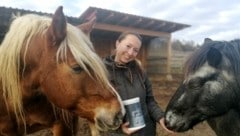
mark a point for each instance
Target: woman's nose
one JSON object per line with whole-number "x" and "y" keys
{"x": 130, "y": 52}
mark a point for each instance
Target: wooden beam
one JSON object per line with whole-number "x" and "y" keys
{"x": 169, "y": 59}
{"x": 116, "y": 28}
{"x": 89, "y": 17}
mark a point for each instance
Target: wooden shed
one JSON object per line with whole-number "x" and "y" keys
{"x": 154, "y": 57}
{"x": 155, "y": 54}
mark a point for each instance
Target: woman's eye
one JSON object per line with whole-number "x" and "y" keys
{"x": 136, "y": 51}
{"x": 77, "y": 69}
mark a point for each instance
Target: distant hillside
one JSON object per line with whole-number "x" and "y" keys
{"x": 184, "y": 46}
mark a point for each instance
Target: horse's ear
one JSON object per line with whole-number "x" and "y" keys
{"x": 88, "y": 26}
{"x": 57, "y": 29}
{"x": 214, "y": 57}
{"x": 206, "y": 40}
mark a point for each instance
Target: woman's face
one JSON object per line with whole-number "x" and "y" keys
{"x": 127, "y": 49}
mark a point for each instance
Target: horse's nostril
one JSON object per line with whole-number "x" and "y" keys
{"x": 110, "y": 124}
{"x": 166, "y": 123}
{"x": 118, "y": 119}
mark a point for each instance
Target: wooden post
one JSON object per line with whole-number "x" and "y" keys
{"x": 169, "y": 58}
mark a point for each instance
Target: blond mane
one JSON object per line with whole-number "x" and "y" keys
{"x": 19, "y": 35}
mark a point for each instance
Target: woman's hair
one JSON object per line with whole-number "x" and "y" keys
{"x": 124, "y": 34}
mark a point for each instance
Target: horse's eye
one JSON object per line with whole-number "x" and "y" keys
{"x": 195, "y": 83}
{"x": 77, "y": 69}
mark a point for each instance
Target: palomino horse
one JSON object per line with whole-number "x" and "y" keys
{"x": 49, "y": 75}
{"x": 210, "y": 90}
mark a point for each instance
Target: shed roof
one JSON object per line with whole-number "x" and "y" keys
{"x": 109, "y": 23}
{"x": 109, "y": 18}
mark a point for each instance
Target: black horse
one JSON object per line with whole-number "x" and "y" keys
{"x": 210, "y": 90}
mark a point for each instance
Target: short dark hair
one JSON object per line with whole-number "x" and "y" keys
{"x": 124, "y": 34}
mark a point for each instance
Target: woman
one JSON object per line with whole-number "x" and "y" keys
{"x": 130, "y": 81}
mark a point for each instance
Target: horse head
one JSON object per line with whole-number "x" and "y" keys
{"x": 57, "y": 60}
{"x": 209, "y": 88}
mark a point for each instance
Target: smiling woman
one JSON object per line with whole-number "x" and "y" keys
{"x": 131, "y": 81}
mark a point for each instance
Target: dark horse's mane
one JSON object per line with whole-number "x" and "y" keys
{"x": 230, "y": 50}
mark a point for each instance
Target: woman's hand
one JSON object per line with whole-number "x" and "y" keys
{"x": 164, "y": 127}
{"x": 125, "y": 129}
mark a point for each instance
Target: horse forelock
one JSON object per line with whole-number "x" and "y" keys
{"x": 232, "y": 52}
{"x": 83, "y": 52}
{"x": 199, "y": 57}
{"x": 196, "y": 60}
{"x": 20, "y": 33}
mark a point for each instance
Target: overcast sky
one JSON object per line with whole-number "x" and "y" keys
{"x": 216, "y": 19}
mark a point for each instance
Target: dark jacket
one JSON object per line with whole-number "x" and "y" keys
{"x": 130, "y": 81}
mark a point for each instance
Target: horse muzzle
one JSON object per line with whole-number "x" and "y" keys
{"x": 108, "y": 122}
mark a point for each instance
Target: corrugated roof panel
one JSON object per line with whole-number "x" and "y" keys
{"x": 129, "y": 20}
